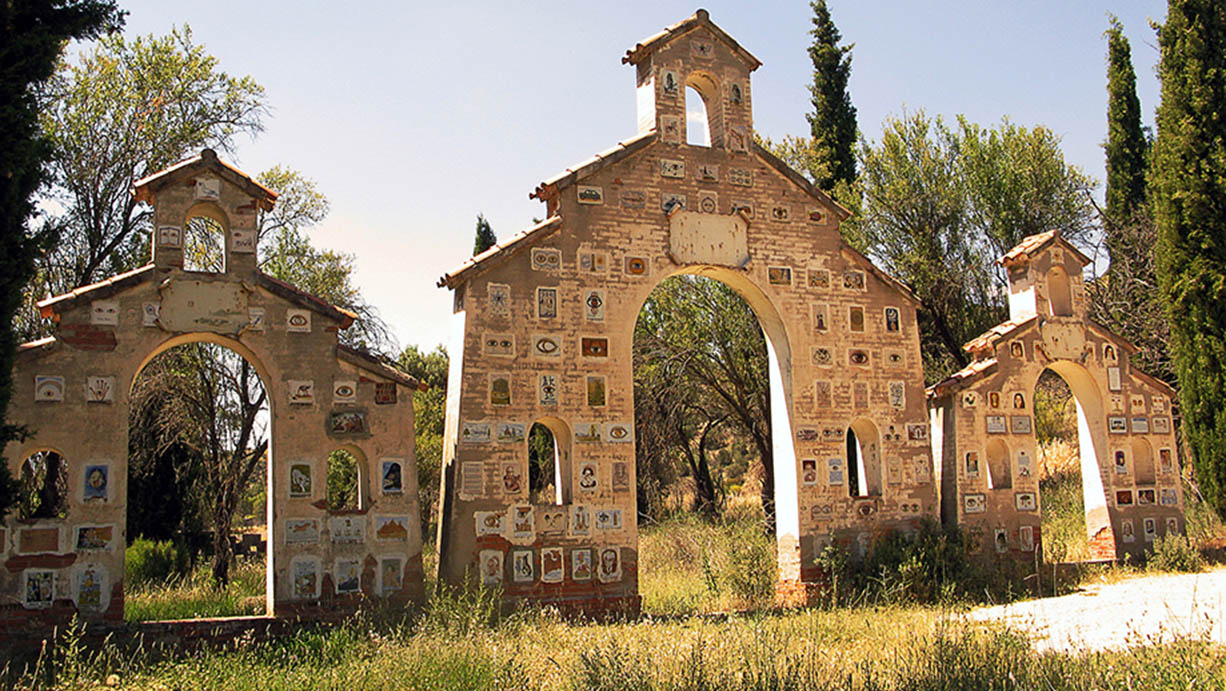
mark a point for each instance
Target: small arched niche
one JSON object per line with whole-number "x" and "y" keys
{"x": 1000, "y": 475}
{"x": 549, "y": 468}
{"x": 44, "y": 486}
{"x": 204, "y": 239}
{"x": 863, "y": 459}
{"x": 1143, "y": 462}
{"x": 1059, "y": 292}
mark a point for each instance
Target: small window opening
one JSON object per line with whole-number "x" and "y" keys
{"x": 544, "y": 466}
{"x": 697, "y": 129}
{"x": 1000, "y": 475}
{"x": 44, "y": 486}
{"x": 204, "y": 245}
{"x": 343, "y": 492}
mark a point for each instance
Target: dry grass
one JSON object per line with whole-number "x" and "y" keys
{"x": 864, "y": 648}
{"x": 196, "y": 595}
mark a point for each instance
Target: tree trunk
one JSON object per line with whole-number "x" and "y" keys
{"x": 49, "y": 493}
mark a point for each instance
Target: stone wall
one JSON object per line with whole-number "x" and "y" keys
{"x": 73, "y": 392}
{"x": 546, "y": 321}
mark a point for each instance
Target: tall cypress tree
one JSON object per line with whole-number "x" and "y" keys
{"x": 1126, "y": 146}
{"x": 32, "y": 33}
{"x": 485, "y": 236}
{"x": 833, "y": 120}
{"x": 1189, "y": 189}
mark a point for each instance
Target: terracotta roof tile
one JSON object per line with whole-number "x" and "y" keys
{"x": 1032, "y": 244}
{"x": 799, "y": 180}
{"x": 962, "y": 378}
{"x": 101, "y": 289}
{"x": 583, "y": 169}
{"x": 143, "y": 189}
{"x": 499, "y": 251}
{"x": 376, "y": 365}
{"x": 700, "y": 18}
{"x": 301, "y": 297}
{"x": 988, "y": 339}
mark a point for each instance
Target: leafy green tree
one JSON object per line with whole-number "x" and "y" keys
{"x": 833, "y": 120}
{"x": 1017, "y": 184}
{"x": 122, "y": 111}
{"x": 485, "y": 236}
{"x": 700, "y": 370}
{"x": 429, "y": 415}
{"x": 941, "y": 204}
{"x": 1189, "y": 187}
{"x": 207, "y": 401}
{"x": 1127, "y": 148}
{"x": 828, "y": 156}
{"x": 32, "y": 34}
{"x": 287, "y": 253}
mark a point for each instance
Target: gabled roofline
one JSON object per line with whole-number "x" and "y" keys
{"x": 497, "y": 253}
{"x": 302, "y": 298}
{"x": 1022, "y": 251}
{"x": 881, "y": 275}
{"x": 701, "y": 18}
{"x": 988, "y": 339}
{"x": 584, "y": 169}
{"x": 1113, "y": 336}
{"x": 105, "y": 288}
{"x": 375, "y": 365}
{"x": 800, "y": 181}
{"x": 33, "y": 349}
{"x": 145, "y": 188}
{"x": 1153, "y": 381}
{"x": 962, "y": 378}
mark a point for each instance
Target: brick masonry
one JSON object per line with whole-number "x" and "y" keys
{"x": 72, "y": 392}
{"x": 984, "y": 433}
{"x": 546, "y": 323}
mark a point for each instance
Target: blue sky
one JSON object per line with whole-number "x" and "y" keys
{"x": 412, "y": 117}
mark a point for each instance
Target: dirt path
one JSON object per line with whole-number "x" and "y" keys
{"x": 1144, "y": 610}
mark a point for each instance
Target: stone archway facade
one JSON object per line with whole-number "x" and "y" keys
{"x": 544, "y": 328}
{"x": 1129, "y": 465}
{"x": 72, "y": 391}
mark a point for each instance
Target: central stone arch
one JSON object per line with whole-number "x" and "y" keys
{"x": 544, "y": 329}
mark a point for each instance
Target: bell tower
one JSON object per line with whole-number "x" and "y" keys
{"x": 1045, "y": 278}
{"x": 698, "y": 54}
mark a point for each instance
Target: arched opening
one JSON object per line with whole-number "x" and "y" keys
{"x": 703, "y": 110}
{"x": 1067, "y": 412}
{"x": 709, "y": 395}
{"x": 1143, "y": 463}
{"x": 204, "y": 239}
{"x": 198, "y": 450}
{"x": 44, "y": 486}
{"x": 1059, "y": 293}
{"x": 697, "y": 127}
{"x": 549, "y": 470}
{"x": 1000, "y": 475}
{"x": 344, "y": 480}
{"x": 863, "y": 459}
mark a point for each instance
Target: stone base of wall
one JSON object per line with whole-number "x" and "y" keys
{"x": 600, "y": 608}
{"x": 1102, "y": 545}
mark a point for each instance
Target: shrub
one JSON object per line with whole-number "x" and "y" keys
{"x": 150, "y": 561}
{"x": 1175, "y": 553}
